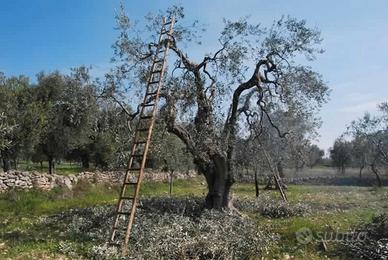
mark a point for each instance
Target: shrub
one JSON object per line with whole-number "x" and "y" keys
{"x": 271, "y": 208}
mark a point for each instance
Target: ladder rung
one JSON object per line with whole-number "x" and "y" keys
{"x": 164, "y": 32}
{"x": 159, "y": 61}
{"x": 156, "y": 71}
{"x": 126, "y": 198}
{"x": 134, "y": 169}
{"x": 114, "y": 243}
{"x": 149, "y": 105}
{"x": 131, "y": 183}
{"x": 146, "y": 117}
{"x": 167, "y": 23}
{"x": 141, "y": 142}
{"x": 154, "y": 82}
{"x": 119, "y": 229}
{"x": 137, "y": 155}
{"x": 123, "y": 213}
{"x": 152, "y": 93}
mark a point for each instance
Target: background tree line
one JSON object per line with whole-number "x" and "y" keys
{"x": 64, "y": 117}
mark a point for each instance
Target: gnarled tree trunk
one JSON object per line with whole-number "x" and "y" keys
{"x": 219, "y": 181}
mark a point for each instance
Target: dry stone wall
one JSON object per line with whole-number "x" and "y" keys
{"x": 44, "y": 181}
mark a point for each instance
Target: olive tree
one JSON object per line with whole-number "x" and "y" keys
{"x": 205, "y": 101}
{"x": 285, "y": 145}
{"x": 340, "y": 154}
{"x": 370, "y": 141}
{"x": 5, "y": 140}
{"x": 68, "y": 118}
{"x": 18, "y": 119}
{"x": 314, "y": 154}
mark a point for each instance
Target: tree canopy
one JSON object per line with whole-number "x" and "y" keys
{"x": 206, "y": 102}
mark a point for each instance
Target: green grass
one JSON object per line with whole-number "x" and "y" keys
{"x": 19, "y": 203}
{"x": 64, "y": 168}
{"x": 36, "y": 203}
{"x": 334, "y": 208}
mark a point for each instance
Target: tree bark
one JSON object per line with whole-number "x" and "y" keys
{"x": 280, "y": 169}
{"x": 51, "y": 165}
{"x": 6, "y": 162}
{"x": 361, "y": 168}
{"x": 170, "y": 182}
{"x": 219, "y": 182}
{"x": 256, "y": 184}
{"x": 343, "y": 169}
{"x": 85, "y": 162}
{"x": 376, "y": 172}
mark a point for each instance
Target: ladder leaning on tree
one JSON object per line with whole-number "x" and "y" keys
{"x": 129, "y": 194}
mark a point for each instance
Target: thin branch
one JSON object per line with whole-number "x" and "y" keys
{"x": 281, "y": 135}
{"x": 207, "y": 59}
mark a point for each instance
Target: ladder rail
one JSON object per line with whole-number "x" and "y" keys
{"x": 149, "y": 135}
{"x": 159, "y": 72}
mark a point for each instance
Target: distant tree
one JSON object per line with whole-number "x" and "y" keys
{"x": 18, "y": 118}
{"x": 80, "y": 108}
{"x": 5, "y": 130}
{"x": 54, "y": 134}
{"x": 284, "y": 145}
{"x": 360, "y": 153}
{"x": 370, "y": 139}
{"x": 5, "y": 141}
{"x": 314, "y": 155}
{"x": 340, "y": 154}
{"x": 68, "y": 116}
{"x": 111, "y": 136}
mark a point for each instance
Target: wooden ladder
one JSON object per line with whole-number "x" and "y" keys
{"x": 278, "y": 182}
{"x": 129, "y": 195}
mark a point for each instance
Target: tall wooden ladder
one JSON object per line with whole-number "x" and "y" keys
{"x": 129, "y": 195}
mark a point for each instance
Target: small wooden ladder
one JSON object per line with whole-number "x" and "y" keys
{"x": 129, "y": 195}
{"x": 278, "y": 181}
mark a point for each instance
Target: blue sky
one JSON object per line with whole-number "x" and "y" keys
{"x": 56, "y": 35}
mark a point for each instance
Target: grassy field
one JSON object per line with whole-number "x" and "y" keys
{"x": 333, "y": 208}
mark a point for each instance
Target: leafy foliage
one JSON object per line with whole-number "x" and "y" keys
{"x": 374, "y": 244}
{"x": 341, "y": 154}
{"x": 170, "y": 229}
{"x": 272, "y": 208}
{"x": 5, "y": 131}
